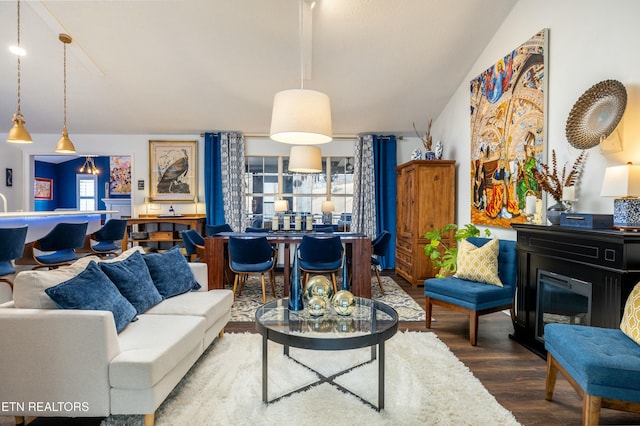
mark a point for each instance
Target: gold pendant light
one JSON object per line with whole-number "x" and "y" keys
{"x": 18, "y": 133}
{"x": 64, "y": 145}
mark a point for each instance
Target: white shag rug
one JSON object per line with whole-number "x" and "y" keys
{"x": 425, "y": 385}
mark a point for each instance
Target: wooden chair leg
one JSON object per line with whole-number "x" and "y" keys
{"x": 379, "y": 280}
{"x": 427, "y": 309}
{"x": 19, "y": 420}
{"x": 335, "y": 283}
{"x": 552, "y": 375}
{"x": 473, "y": 328}
{"x": 591, "y": 410}
{"x": 273, "y": 283}
{"x": 149, "y": 419}
{"x": 235, "y": 284}
{"x": 264, "y": 288}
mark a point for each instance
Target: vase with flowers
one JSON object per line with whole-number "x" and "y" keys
{"x": 561, "y": 187}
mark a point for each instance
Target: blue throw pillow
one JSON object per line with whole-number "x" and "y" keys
{"x": 132, "y": 278}
{"x": 170, "y": 272}
{"x": 91, "y": 289}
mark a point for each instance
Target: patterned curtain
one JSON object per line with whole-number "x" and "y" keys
{"x": 223, "y": 165}
{"x": 364, "y": 188}
{"x": 232, "y": 167}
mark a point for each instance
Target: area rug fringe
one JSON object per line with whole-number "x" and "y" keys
{"x": 425, "y": 385}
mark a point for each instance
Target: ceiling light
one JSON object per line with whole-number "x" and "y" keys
{"x": 64, "y": 145}
{"x": 305, "y": 159}
{"x": 301, "y": 116}
{"x": 89, "y": 166}
{"x": 18, "y": 133}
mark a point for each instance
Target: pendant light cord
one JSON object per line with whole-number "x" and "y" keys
{"x": 19, "y": 113}
{"x": 300, "y": 30}
{"x": 65, "y": 83}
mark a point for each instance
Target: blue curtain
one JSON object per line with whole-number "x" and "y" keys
{"x": 213, "y": 179}
{"x": 385, "y": 162}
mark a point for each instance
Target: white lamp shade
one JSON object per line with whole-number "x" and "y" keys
{"x": 301, "y": 117}
{"x": 281, "y": 206}
{"x": 328, "y": 206}
{"x": 621, "y": 181}
{"x": 305, "y": 159}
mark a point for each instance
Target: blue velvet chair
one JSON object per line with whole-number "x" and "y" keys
{"x": 193, "y": 245}
{"x": 216, "y": 229}
{"x": 474, "y": 298}
{"x": 325, "y": 228}
{"x": 11, "y": 248}
{"x": 250, "y": 229}
{"x": 252, "y": 256}
{"x": 379, "y": 247}
{"x": 602, "y": 365}
{"x": 320, "y": 255}
{"x": 113, "y": 230}
{"x": 61, "y": 241}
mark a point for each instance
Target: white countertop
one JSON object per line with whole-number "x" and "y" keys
{"x": 55, "y": 213}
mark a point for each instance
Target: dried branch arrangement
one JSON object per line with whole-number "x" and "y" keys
{"x": 426, "y": 140}
{"x": 549, "y": 180}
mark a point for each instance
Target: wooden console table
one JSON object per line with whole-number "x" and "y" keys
{"x": 190, "y": 221}
{"x": 358, "y": 249}
{"x": 607, "y": 259}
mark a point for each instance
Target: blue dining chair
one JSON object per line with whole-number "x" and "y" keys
{"x": 216, "y": 229}
{"x": 252, "y": 256}
{"x": 249, "y": 229}
{"x": 11, "y": 248}
{"x": 320, "y": 255}
{"x": 113, "y": 230}
{"x": 62, "y": 241}
{"x": 193, "y": 245}
{"x": 379, "y": 247}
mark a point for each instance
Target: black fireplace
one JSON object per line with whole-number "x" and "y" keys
{"x": 561, "y": 299}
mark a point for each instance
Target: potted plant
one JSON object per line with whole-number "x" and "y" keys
{"x": 445, "y": 256}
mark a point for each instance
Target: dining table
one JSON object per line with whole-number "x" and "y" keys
{"x": 357, "y": 250}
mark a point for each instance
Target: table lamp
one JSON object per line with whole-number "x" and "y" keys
{"x": 623, "y": 183}
{"x": 281, "y": 206}
{"x": 327, "y": 209}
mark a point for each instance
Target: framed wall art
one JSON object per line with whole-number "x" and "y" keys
{"x": 119, "y": 175}
{"x": 172, "y": 170}
{"x": 43, "y": 189}
{"x": 9, "y": 177}
{"x": 508, "y": 116}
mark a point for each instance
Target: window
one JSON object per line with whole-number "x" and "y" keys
{"x": 87, "y": 192}
{"x": 267, "y": 179}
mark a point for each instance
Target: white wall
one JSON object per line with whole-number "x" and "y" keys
{"x": 11, "y": 157}
{"x": 589, "y": 41}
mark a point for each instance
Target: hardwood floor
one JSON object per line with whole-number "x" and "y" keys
{"x": 512, "y": 374}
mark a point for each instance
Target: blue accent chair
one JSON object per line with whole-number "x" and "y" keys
{"x": 474, "y": 298}
{"x": 379, "y": 247}
{"x": 320, "y": 255}
{"x": 252, "y": 256}
{"x": 602, "y": 365}
{"x": 216, "y": 229}
{"x": 62, "y": 241}
{"x": 193, "y": 245}
{"x": 113, "y": 230}
{"x": 11, "y": 248}
{"x": 325, "y": 228}
{"x": 250, "y": 229}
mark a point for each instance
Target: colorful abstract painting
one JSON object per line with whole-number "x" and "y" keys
{"x": 120, "y": 175}
{"x": 508, "y": 134}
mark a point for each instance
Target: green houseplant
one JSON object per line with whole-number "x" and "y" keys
{"x": 445, "y": 256}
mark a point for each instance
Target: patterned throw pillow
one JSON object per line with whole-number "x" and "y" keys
{"x": 479, "y": 263}
{"x": 630, "y": 324}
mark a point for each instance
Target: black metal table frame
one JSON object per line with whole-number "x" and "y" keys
{"x": 343, "y": 343}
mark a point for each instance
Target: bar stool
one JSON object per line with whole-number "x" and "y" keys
{"x": 62, "y": 240}
{"x": 11, "y": 248}
{"x": 112, "y": 231}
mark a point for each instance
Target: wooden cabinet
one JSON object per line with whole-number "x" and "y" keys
{"x": 161, "y": 232}
{"x": 425, "y": 199}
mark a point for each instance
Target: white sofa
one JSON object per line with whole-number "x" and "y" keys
{"x": 73, "y": 363}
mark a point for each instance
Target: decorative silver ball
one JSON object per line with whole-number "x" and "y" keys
{"x": 344, "y": 303}
{"x": 319, "y": 285}
{"x": 317, "y": 306}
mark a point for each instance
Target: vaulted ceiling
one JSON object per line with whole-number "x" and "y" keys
{"x": 185, "y": 66}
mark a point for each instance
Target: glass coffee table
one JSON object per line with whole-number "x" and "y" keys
{"x": 370, "y": 325}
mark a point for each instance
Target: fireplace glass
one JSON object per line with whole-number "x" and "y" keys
{"x": 561, "y": 299}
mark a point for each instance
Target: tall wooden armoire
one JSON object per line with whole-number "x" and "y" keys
{"x": 426, "y": 199}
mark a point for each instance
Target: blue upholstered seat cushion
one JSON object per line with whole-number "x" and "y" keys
{"x": 105, "y": 246}
{"x": 252, "y": 267}
{"x": 469, "y": 294}
{"x": 6, "y": 268}
{"x": 60, "y": 256}
{"x": 170, "y": 272}
{"x": 320, "y": 266}
{"x": 91, "y": 289}
{"x": 133, "y": 279}
{"x": 604, "y": 362}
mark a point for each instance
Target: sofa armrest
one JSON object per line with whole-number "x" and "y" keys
{"x": 57, "y": 355}
{"x": 200, "y": 272}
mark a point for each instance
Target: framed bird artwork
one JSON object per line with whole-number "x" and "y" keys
{"x": 173, "y": 170}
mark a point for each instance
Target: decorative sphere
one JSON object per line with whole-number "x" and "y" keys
{"x": 345, "y": 325}
{"x": 319, "y": 285}
{"x": 344, "y": 303}
{"x": 317, "y": 306}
